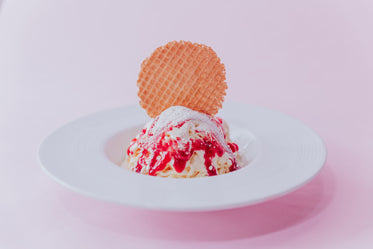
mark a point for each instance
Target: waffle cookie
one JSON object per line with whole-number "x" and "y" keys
{"x": 182, "y": 74}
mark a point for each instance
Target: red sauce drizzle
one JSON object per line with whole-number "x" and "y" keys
{"x": 165, "y": 151}
{"x": 233, "y": 147}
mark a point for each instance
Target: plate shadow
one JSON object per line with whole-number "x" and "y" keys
{"x": 246, "y": 222}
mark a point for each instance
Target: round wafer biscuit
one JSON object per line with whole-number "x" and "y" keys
{"x": 184, "y": 74}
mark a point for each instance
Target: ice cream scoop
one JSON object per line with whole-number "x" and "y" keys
{"x": 182, "y": 143}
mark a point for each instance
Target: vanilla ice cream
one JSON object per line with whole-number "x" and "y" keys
{"x": 182, "y": 143}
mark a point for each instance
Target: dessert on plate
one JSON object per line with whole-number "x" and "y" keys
{"x": 181, "y": 87}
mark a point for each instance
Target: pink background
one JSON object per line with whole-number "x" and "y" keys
{"x": 312, "y": 60}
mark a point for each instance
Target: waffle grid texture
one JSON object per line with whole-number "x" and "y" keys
{"x": 182, "y": 74}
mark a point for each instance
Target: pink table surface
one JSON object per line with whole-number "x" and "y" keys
{"x": 312, "y": 60}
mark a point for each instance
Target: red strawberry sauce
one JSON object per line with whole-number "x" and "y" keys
{"x": 167, "y": 149}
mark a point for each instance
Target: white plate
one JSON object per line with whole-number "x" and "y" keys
{"x": 284, "y": 154}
